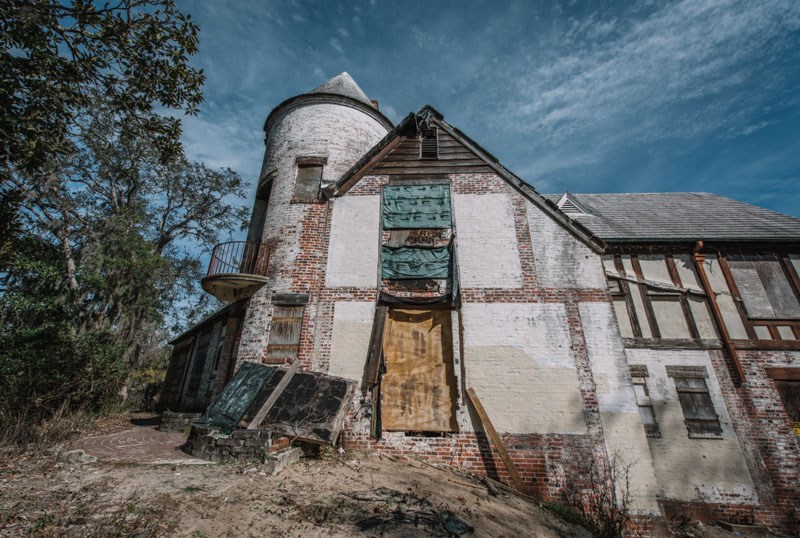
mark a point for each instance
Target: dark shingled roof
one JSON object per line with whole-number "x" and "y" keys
{"x": 343, "y": 84}
{"x": 680, "y": 216}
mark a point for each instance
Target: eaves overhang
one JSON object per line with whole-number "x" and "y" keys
{"x": 392, "y": 138}
{"x": 323, "y": 98}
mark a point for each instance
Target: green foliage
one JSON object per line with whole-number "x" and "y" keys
{"x": 55, "y": 56}
{"x": 43, "y": 368}
{"x": 101, "y": 213}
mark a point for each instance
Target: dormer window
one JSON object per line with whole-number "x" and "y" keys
{"x": 429, "y": 143}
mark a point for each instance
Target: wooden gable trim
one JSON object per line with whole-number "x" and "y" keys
{"x": 394, "y": 138}
{"x": 577, "y": 229}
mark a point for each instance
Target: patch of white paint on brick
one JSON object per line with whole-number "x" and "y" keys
{"x": 712, "y": 470}
{"x": 518, "y": 360}
{"x": 488, "y": 254}
{"x": 619, "y": 413}
{"x": 562, "y": 260}
{"x": 354, "y": 240}
{"x": 352, "y": 327}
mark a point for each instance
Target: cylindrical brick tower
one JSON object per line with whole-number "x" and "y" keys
{"x": 311, "y": 141}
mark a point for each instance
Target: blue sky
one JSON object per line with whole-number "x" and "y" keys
{"x": 645, "y": 96}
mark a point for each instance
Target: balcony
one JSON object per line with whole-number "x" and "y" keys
{"x": 237, "y": 270}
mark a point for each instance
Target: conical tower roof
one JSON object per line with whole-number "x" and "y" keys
{"x": 343, "y": 84}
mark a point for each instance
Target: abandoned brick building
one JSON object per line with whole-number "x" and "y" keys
{"x": 663, "y": 329}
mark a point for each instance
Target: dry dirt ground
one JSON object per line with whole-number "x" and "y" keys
{"x": 350, "y": 494}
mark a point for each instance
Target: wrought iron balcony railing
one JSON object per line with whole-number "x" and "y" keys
{"x": 237, "y": 269}
{"x": 239, "y": 257}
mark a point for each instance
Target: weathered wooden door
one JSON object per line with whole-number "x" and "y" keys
{"x": 418, "y": 388}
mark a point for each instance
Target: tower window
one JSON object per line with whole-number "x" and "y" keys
{"x": 284, "y": 334}
{"x": 429, "y": 143}
{"x": 308, "y": 182}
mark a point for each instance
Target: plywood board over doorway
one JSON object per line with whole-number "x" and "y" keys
{"x": 419, "y": 386}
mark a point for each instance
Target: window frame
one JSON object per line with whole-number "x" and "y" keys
{"x": 304, "y": 163}
{"x": 696, "y": 426}
{"x": 639, "y": 375}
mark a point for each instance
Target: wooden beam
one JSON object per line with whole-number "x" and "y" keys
{"x": 737, "y": 297}
{"x": 784, "y": 374}
{"x": 687, "y": 311}
{"x": 372, "y": 366}
{"x": 671, "y": 343}
{"x": 648, "y": 306}
{"x": 777, "y": 345}
{"x": 282, "y": 384}
{"x": 625, "y": 286}
{"x": 698, "y": 260}
{"x": 495, "y": 437}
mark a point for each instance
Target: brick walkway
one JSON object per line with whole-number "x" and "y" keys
{"x": 142, "y": 444}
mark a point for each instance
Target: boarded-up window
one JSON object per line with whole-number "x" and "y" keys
{"x": 307, "y": 184}
{"x": 416, "y": 206}
{"x": 669, "y": 314}
{"x": 645, "y": 404}
{"x": 790, "y": 395}
{"x": 415, "y": 262}
{"x": 418, "y": 388}
{"x": 765, "y": 287}
{"x": 429, "y": 143}
{"x": 698, "y": 410}
{"x": 284, "y": 334}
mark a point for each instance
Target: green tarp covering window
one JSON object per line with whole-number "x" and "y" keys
{"x": 414, "y": 262}
{"x": 416, "y": 206}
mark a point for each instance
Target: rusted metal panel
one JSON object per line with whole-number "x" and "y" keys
{"x": 418, "y": 388}
{"x": 284, "y": 333}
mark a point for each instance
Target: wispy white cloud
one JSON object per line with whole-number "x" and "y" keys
{"x": 615, "y": 74}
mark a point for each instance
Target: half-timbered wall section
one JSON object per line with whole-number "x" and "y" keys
{"x": 717, "y": 360}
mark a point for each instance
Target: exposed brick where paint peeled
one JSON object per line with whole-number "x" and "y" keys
{"x": 765, "y": 434}
{"x": 539, "y": 459}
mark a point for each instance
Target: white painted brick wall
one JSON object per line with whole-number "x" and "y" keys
{"x": 352, "y": 327}
{"x": 354, "y": 242}
{"x": 688, "y": 469}
{"x": 562, "y": 260}
{"x": 488, "y": 255}
{"x": 340, "y": 133}
{"x": 518, "y": 359}
{"x": 624, "y": 433}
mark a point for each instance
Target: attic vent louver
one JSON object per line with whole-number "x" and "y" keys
{"x": 429, "y": 143}
{"x": 568, "y": 206}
